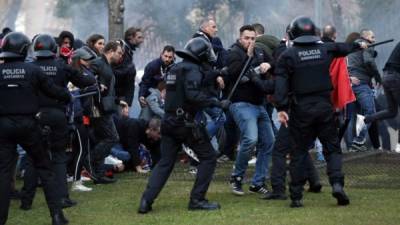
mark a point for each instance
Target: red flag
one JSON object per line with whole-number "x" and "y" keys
{"x": 342, "y": 93}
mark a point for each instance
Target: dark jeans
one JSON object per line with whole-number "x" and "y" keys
{"x": 282, "y": 147}
{"x": 391, "y": 85}
{"x": 23, "y": 130}
{"x": 307, "y": 122}
{"x": 171, "y": 143}
{"x": 106, "y": 137}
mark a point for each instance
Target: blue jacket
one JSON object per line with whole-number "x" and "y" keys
{"x": 154, "y": 72}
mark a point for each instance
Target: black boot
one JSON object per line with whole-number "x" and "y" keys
{"x": 315, "y": 188}
{"x": 339, "y": 194}
{"x": 144, "y": 206}
{"x": 203, "y": 205}
{"x": 59, "y": 219}
{"x": 67, "y": 202}
{"x": 104, "y": 180}
{"x": 274, "y": 196}
{"x": 25, "y": 206}
{"x": 296, "y": 204}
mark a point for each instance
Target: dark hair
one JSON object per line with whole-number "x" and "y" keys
{"x": 246, "y": 27}
{"x": 154, "y": 124}
{"x": 6, "y": 30}
{"x": 259, "y": 28}
{"x": 111, "y": 46}
{"x": 168, "y": 48}
{"x": 66, "y": 34}
{"x": 131, "y": 31}
{"x": 352, "y": 37}
{"x": 91, "y": 41}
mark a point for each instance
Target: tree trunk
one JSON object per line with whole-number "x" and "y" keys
{"x": 115, "y": 19}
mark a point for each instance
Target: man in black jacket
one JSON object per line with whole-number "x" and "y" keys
{"x": 124, "y": 69}
{"x": 20, "y": 84}
{"x": 184, "y": 100}
{"x": 249, "y": 112}
{"x": 311, "y": 110}
{"x": 52, "y": 116}
{"x": 155, "y": 71}
{"x": 104, "y": 128}
{"x": 134, "y": 132}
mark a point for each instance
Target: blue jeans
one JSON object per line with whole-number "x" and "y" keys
{"x": 120, "y": 153}
{"x": 255, "y": 131}
{"x": 365, "y": 100}
{"x": 217, "y": 120}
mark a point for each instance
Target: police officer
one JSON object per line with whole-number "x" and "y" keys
{"x": 52, "y": 119}
{"x": 184, "y": 99}
{"x": 309, "y": 104}
{"x": 19, "y": 86}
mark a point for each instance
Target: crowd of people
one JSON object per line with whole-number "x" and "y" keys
{"x": 64, "y": 111}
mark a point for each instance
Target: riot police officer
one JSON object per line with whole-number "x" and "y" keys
{"x": 310, "y": 108}
{"x": 19, "y": 86}
{"x": 184, "y": 99}
{"x": 52, "y": 119}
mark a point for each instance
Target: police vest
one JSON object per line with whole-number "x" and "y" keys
{"x": 311, "y": 70}
{"x": 175, "y": 92}
{"x": 54, "y": 70}
{"x": 17, "y": 90}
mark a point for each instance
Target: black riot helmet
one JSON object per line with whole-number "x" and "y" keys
{"x": 44, "y": 45}
{"x": 15, "y": 45}
{"x": 303, "y": 29}
{"x": 198, "y": 49}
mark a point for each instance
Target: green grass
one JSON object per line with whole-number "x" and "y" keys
{"x": 117, "y": 204}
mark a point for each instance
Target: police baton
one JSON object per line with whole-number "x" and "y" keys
{"x": 246, "y": 65}
{"x": 85, "y": 94}
{"x": 380, "y": 43}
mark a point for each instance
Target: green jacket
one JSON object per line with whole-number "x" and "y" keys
{"x": 268, "y": 43}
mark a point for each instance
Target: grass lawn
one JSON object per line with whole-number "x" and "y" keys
{"x": 117, "y": 204}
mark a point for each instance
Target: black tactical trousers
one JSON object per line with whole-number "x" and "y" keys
{"x": 106, "y": 137}
{"x": 282, "y": 148}
{"x": 55, "y": 137}
{"x": 307, "y": 122}
{"x": 171, "y": 143}
{"x": 23, "y": 130}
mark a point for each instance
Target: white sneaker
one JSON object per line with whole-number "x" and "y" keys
{"x": 397, "y": 148}
{"x": 70, "y": 179}
{"x": 84, "y": 178}
{"x": 78, "y": 186}
{"x": 253, "y": 161}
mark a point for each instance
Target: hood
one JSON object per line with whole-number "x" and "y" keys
{"x": 155, "y": 91}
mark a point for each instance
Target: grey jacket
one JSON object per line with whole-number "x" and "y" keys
{"x": 361, "y": 64}
{"x": 154, "y": 106}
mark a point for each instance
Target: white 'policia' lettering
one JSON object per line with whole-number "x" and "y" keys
{"x": 49, "y": 70}
{"x": 309, "y": 54}
{"x": 18, "y": 73}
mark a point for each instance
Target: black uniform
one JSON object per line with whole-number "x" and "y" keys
{"x": 19, "y": 86}
{"x": 184, "y": 99}
{"x": 311, "y": 110}
{"x": 391, "y": 81}
{"x": 52, "y": 119}
{"x": 282, "y": 148}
